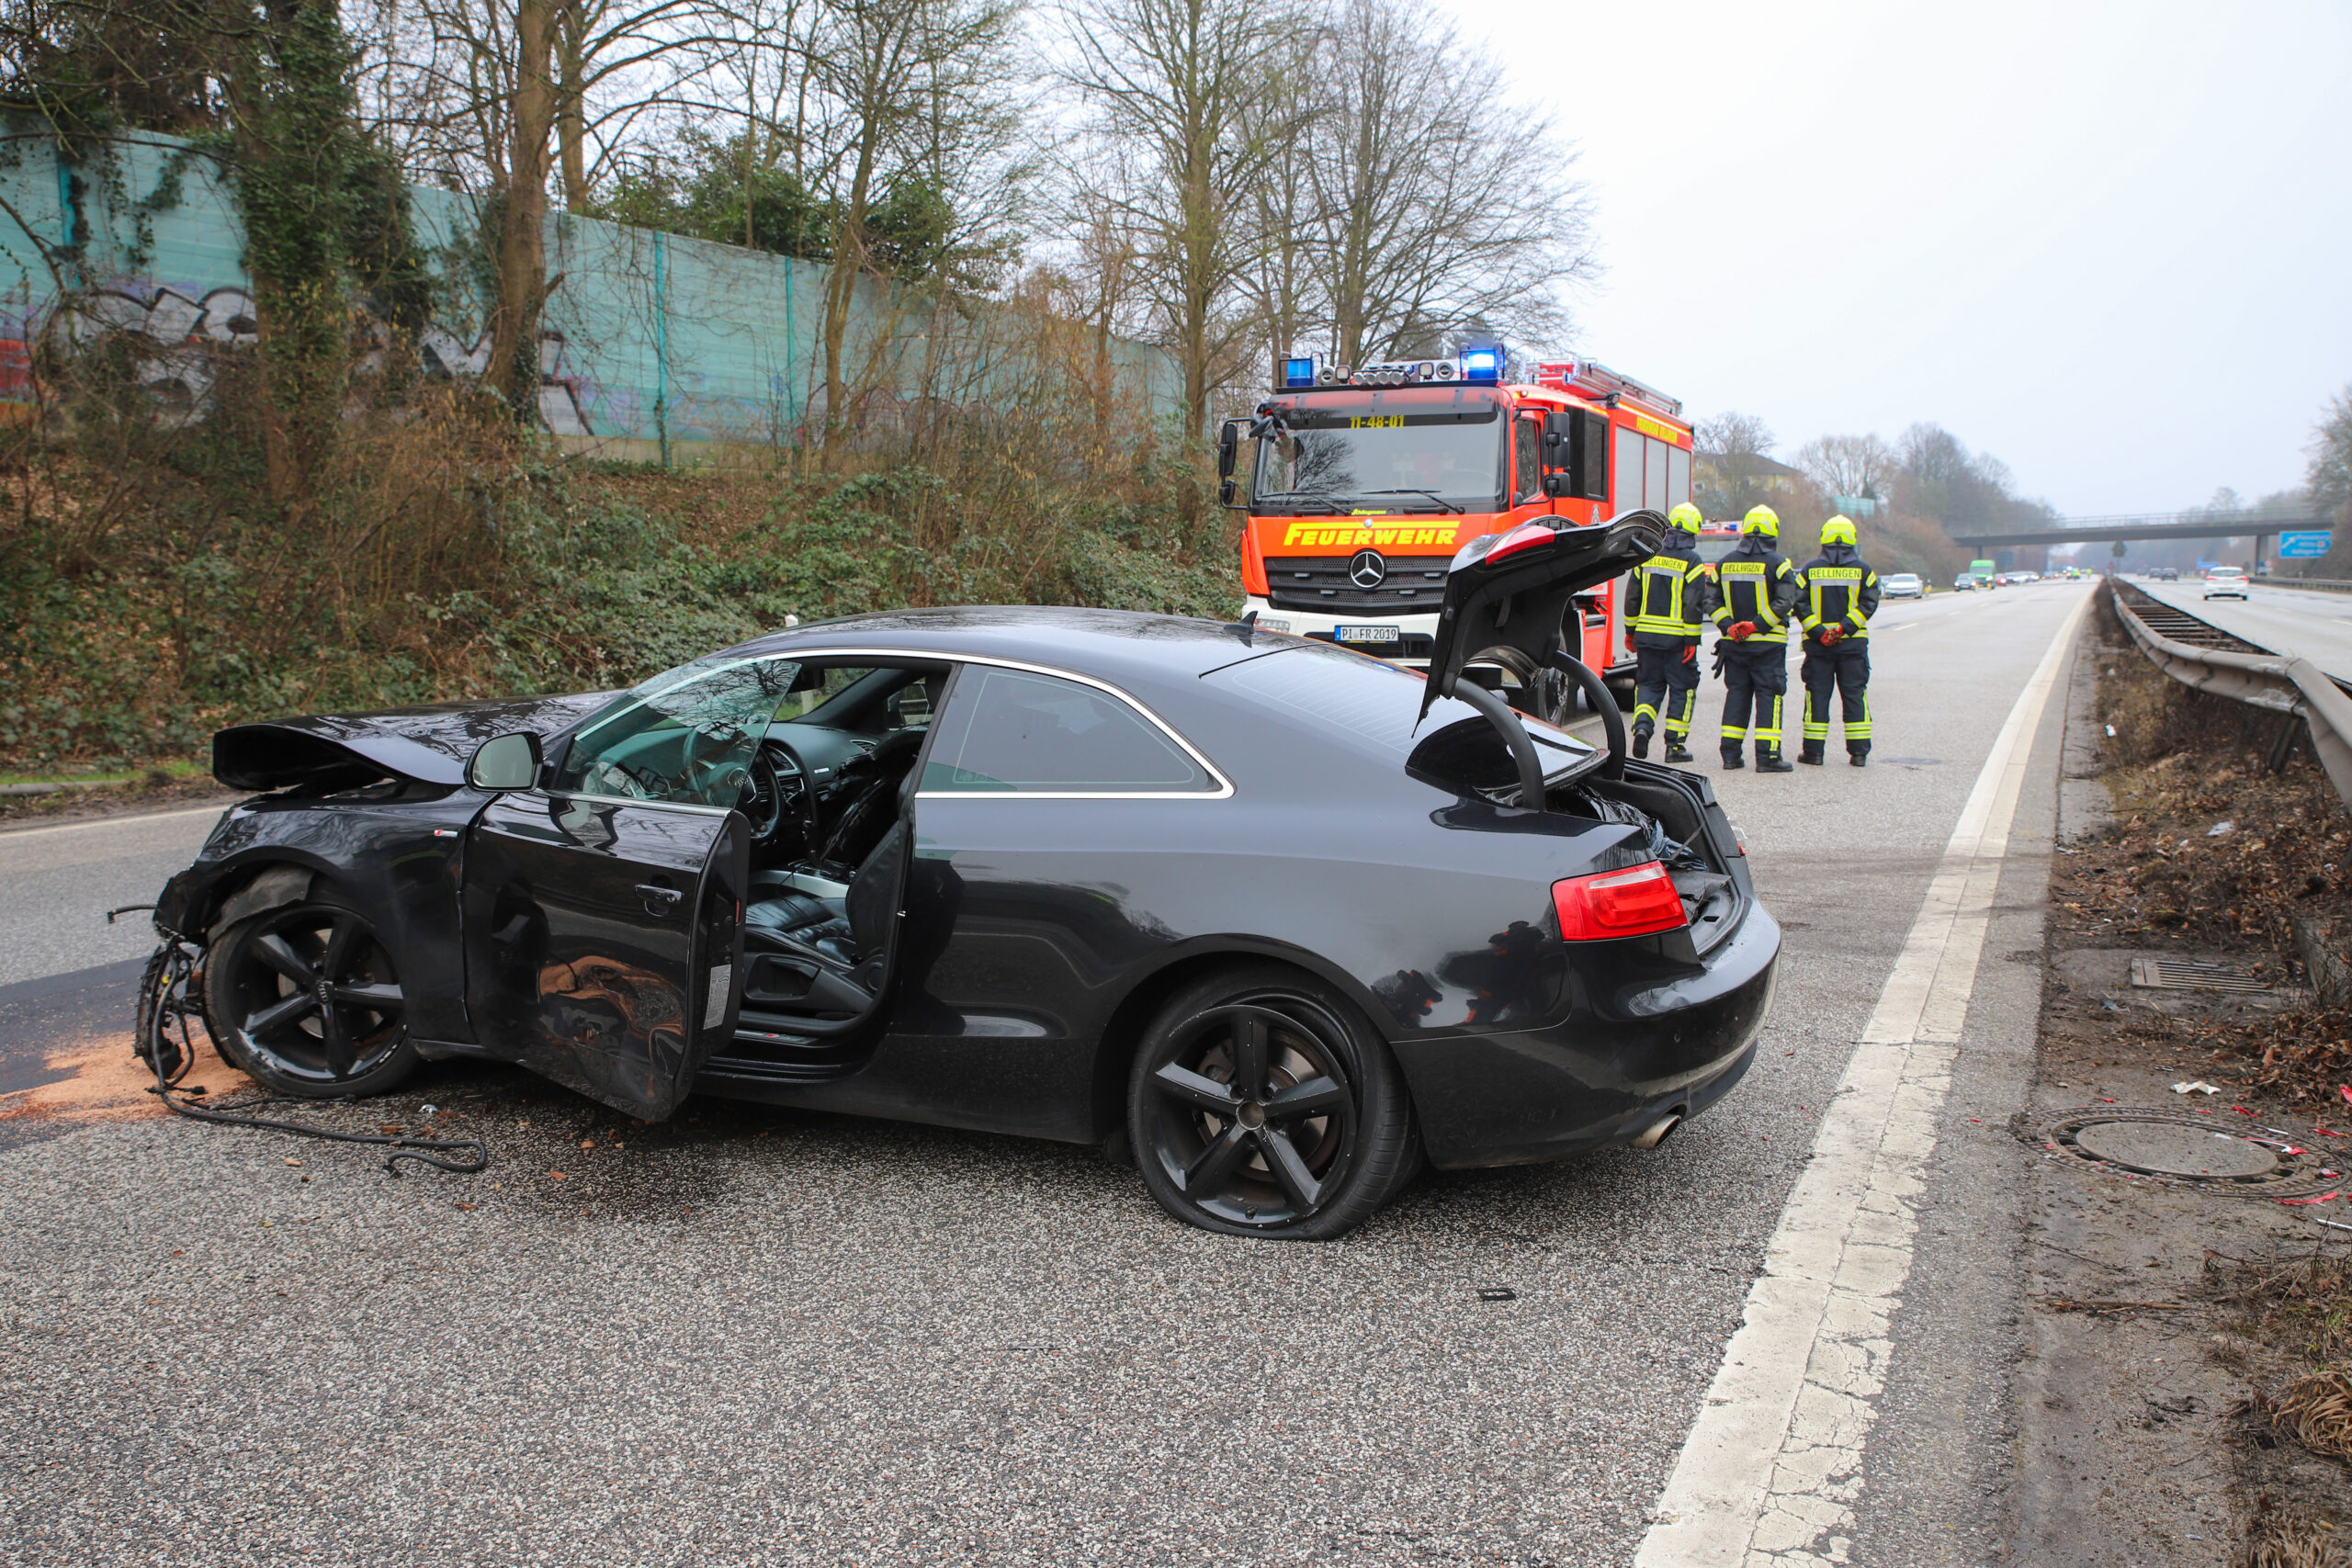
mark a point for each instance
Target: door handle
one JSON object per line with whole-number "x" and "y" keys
{"x": 659, "y": 900}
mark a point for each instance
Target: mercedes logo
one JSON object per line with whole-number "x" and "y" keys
{"x": 1367, "y": 569}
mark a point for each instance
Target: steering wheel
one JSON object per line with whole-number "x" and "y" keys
{"x": 810, "y": 822}
{"x": 704, "y": 756}
{"x": 763, "y": 798}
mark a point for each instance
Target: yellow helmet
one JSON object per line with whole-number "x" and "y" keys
{"x": 1761, "y": 520}
{"x": 1687, "y": 517}
{"x": 1839, "y": 530}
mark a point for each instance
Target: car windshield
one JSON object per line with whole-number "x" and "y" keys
{"x": 1373, "y": 706}
{"x": 685, "y": 736}
{"x": 1383, "y": 453}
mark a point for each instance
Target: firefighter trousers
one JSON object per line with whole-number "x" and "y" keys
{"x": 1844, "y": 670}
{"x": 1666, "y": 689}
{"x": 1755, "y": 683}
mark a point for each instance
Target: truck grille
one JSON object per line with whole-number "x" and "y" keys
{"x": 1415, "y": 584}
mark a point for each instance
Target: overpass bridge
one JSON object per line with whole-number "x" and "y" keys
{"x": 2257, "y": 525}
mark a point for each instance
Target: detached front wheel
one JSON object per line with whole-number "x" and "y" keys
{"x": 1263, "y": 1105}
{"x": 306, "y": 999}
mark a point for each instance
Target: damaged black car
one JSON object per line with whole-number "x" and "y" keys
{"x": 1276, "y": 920}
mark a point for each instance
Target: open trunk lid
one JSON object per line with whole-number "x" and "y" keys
{"x": 1508, "y": 592}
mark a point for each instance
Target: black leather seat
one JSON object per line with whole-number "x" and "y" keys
{"x": 822, "y": 923}
{"x": 851, "y": 933}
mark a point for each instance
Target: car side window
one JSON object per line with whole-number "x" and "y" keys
{"x": 1007, "y": 731}
{"x": 686, "y": 738}
{"x": 1527, "y": 478}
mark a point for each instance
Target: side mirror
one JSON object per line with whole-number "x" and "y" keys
{"x": 509, "y": 761}
{"x": 1577, "y": 441}
{"x": 1228, "y": 446}
{"x": 1227, "y": 493}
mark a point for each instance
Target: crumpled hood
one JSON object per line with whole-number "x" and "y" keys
{"x": 428, "y": 744}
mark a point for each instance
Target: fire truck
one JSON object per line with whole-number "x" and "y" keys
{"x": 1367, "y": 480}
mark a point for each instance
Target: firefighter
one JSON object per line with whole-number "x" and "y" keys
{"x": 1840, "y": 594}
{"x": 1756, "y": 594}
{"x": 1674, "y": 592}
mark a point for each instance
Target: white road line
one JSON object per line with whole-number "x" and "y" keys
{"x": 1771, "y": 1470}
{"x": 123, "y": 821}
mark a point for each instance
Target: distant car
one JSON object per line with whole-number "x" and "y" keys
{"x": 2168, "y": 574}
{"x": 2225, "y": 582}
{"x": 1901, "y": 585}
{"x": 1964, "y": 584}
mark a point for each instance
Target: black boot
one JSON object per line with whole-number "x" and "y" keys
{"x": 1676, "y": 751}
{"x": 1641, "y": 742}
{"x": 1810, "y": 754}
{"x": 1733, "y": 756}
{"x": 1858, "y": 755}
{"x": 1770, "y": 760}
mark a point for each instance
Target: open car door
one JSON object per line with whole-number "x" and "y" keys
{"x": 604, "y": 940}
{"x": 1505, "y": 594}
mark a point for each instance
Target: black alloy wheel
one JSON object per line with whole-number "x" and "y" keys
{"x": 305, "y": 999}
{"x": 1262, "y": 1105}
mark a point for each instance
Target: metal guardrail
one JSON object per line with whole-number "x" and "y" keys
{"x": 2324, "y": 584}
{"x": 2202, "y": 656}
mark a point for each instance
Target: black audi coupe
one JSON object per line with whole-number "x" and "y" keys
{"x": 1277, "y": 920}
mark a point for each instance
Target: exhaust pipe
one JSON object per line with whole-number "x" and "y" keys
{"x": 1656, "y": 1134}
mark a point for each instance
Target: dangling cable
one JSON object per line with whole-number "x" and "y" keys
{"x": 171, "y": 1008}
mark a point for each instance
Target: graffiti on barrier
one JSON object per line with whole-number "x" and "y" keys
{"x": 177, "y": 337}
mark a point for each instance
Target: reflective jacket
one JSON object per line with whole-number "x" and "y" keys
{"x": 1673, "y": 591}
{"x": 1755, "y": 582}
{"x": 1840, "y": 590}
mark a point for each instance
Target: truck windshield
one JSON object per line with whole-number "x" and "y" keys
{"x": 1343, "y": 459}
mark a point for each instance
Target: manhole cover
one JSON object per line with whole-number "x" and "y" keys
{"x": 2184, "y": 1150}
{"x": 2193, "y": 974}
{"x": 2155, "y": 1148}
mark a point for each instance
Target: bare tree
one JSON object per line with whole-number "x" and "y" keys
{"x": 2329, "y": 478}
{"x": 923, "y": 88}
{"x": 1436, "y": 209}
{"x": 1848, "y": 465}
{"x": 1187, "y": 115}
{"x": 484, "y": 93}
{"x": 1734, "y": 453}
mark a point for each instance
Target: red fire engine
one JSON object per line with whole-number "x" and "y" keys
{"x": 1367, "y": 480}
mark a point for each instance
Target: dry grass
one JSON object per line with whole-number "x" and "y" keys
{"x": 2302, "y": 1303}
{"x": 2315, "y": 1410}
{"x": 2286, "y": 1537}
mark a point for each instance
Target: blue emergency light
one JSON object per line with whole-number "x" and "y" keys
{"x": 1298, "y": 373}
{"x": 1482, "y": 364}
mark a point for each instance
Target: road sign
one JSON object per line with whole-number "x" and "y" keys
{"x": 2313, "y": 543}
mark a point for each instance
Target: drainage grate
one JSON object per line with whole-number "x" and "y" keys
{"x": 2176, "y": 1148}
{"x": 1912, "y": 762}
{"x": 2193, "y": 974}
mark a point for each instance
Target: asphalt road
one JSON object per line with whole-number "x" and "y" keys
{"x": 2315, "y": 624}
{"x": 756, "y": 1336}
{"x": 57, "y": 882}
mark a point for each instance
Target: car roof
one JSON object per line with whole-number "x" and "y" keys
{"x": 1125, "y": 647}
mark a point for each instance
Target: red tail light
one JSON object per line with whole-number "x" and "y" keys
{"x": 1527, "y": 536}
{"x": 1618, "y": 903}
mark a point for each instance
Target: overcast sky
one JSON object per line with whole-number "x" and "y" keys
{"x": 2110, "y": 244}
